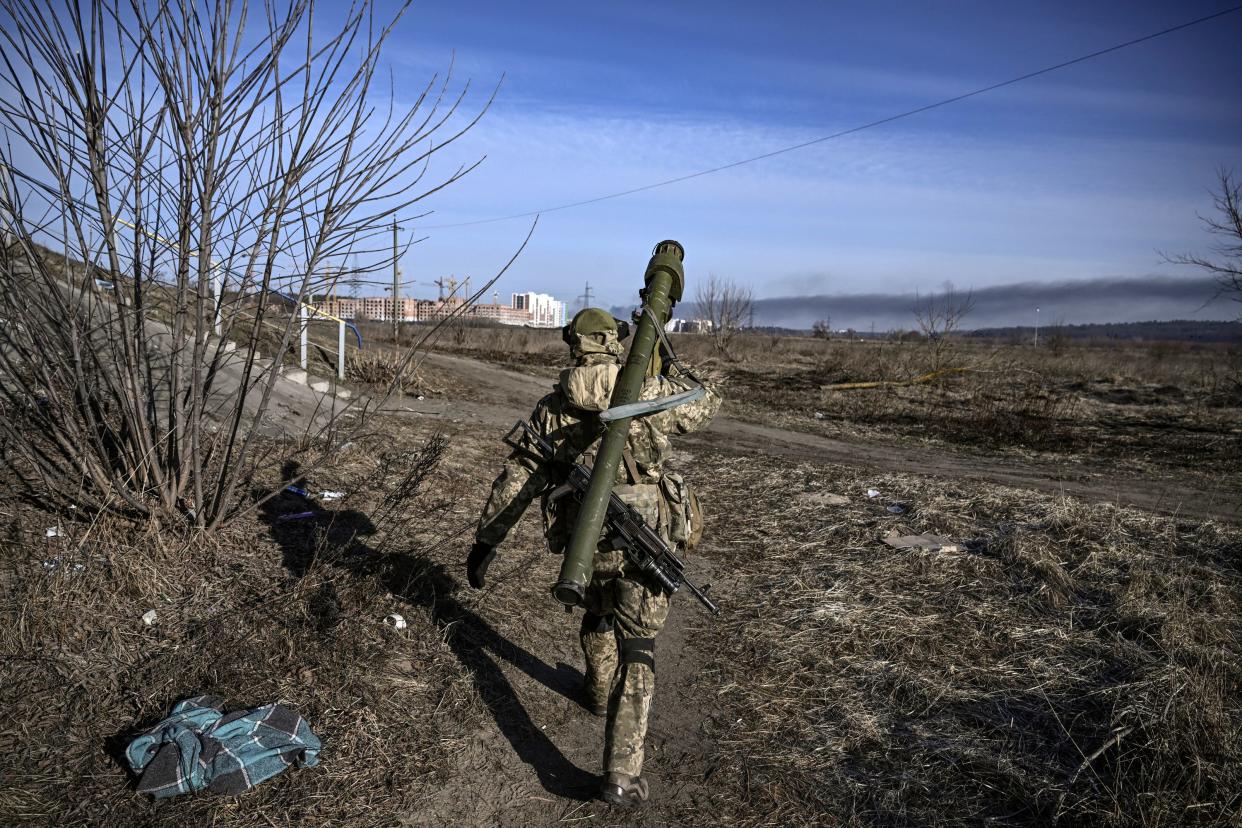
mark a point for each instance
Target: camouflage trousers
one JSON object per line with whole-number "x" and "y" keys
{"x": 623, "y": 616}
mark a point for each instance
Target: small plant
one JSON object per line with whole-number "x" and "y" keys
{"x": 726, "y": 306}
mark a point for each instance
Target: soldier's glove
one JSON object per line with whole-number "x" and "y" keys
{"x": 479, "y": 560}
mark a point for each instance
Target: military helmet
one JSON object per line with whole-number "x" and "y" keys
{"x": 592, "y": 321}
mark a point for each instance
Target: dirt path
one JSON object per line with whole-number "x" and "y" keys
{"x": 511, "y": 395}
{"x": 538, "y": 764}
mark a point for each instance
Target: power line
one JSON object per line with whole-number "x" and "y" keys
{"x": 888, "y": 120}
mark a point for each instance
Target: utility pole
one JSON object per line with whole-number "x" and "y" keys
{"x": 1037, "y": 327}
{"x": 586, "y": 297}
{"x": 396, "y": 288}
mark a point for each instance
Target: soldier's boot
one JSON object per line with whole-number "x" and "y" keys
{"x": 629, "y": 708}
{"x": 599, "y": 646}
{"x": 623, "y": 789}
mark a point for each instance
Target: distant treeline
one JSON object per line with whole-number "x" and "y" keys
{"x": 1178, "y": 330}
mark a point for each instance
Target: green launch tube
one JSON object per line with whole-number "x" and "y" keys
{"x": 664, "y": 283}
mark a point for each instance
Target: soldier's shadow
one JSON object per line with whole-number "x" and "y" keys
{"x": 337, "y": 538}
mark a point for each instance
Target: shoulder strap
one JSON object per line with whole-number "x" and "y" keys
{"x": 631, "y": 467}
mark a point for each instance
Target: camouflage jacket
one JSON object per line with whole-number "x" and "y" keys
{"x": 568, "y": 419}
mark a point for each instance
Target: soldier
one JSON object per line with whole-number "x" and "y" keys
{"x": 624, "y": 611}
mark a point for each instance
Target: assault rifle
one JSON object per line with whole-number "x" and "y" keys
{"x": 628, "y": 531}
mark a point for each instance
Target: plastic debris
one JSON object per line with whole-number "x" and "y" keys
{"x": 873, "y": 492}
{"x": 52, "y": 532}
{"x": 297, "y": 516}
{"x": 297, "y": 491}
{"x": 148, "y": 618}
{"x": 819, "y": 415}
{"x": 51, "y": 564}
{"x": 421, "y": 397}
{"x": 396, "y": 621}
{"x": 932, "y": 543}
{"x": 331, "y": 495}
{"x": 895, "y": 508}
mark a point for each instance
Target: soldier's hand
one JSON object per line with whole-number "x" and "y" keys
{"x": 480, "y": 558}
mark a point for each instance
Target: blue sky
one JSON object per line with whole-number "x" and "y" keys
{"x": 1080, "y": 174}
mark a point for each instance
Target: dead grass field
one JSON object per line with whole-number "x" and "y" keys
{"x": 1072, "y": 664}
{"x": 1148, "y": 408}
{"x": 268, "y": 610}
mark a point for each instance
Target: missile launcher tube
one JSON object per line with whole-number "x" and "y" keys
{"x": 665, "y": 282}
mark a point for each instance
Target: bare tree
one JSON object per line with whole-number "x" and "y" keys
{"x": 939, "y": 318}
{"x": 1226, "y": 264}
{"x": 822, "y": 328}
{"x": 725, "y": 306}
{"x": 211, "y": 164}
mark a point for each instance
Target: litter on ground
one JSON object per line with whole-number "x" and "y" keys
{"x": 396, "y": 621}
{"x": 52, "y": 532}
{"x": 331, "y": 495}
{"x": 200, "y": 747}
{"x": 52, "y": 564}
{"x": 148, "y": 618}
{"x": 873, "y": 492}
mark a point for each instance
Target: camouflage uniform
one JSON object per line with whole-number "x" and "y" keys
{"x": 624, "y": 612}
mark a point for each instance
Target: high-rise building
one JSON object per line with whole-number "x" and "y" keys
{"x": 545, "y": 311}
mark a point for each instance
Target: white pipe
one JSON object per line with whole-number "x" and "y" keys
{"x": 340, "y": 350}
{"x": 302, "y": 315}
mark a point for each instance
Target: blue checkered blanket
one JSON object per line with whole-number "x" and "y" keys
{"x": 200, "y": 747}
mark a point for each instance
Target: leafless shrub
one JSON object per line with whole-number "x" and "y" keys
{"x": 1012, "y": 407}
{"x": 385, "y": 369}
{"x": 822, "y": 328}
{"x": 726, "y": 305}
{"x": 1226, "y": 266}
{"x": 211, "y": 167}
{"x": 939, "y": 318}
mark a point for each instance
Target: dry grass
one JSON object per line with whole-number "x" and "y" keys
{"x": 269, "y": 610}
{"x": 1077, "y": 664}
{"x": 1150, "y": 408}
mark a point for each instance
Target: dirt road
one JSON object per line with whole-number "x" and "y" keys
{"x": 511, "y": 394}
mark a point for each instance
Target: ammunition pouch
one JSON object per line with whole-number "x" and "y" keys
{"x": 684, "y": 522}
{"x": 559, "y": 514}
